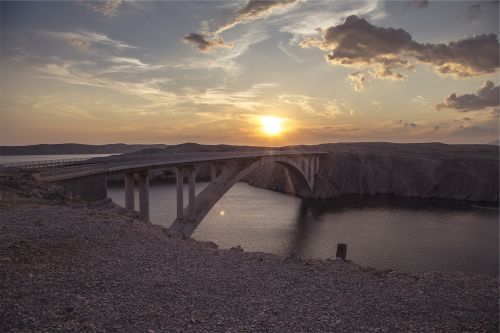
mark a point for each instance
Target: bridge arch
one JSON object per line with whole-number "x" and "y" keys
{"x": 302, "y": 168}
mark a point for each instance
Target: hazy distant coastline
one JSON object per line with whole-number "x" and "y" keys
{"x": 118, "y": 148}
{"x": 74, "y": 148}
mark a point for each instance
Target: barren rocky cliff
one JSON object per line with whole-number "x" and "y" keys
{"x": 427, "y": 170}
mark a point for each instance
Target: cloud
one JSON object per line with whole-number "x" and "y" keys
{"x": 419, "y": 4}
{"x": 357, "y": 80}
{"x": 359, "y": 44}
{"x": 409, "y": 125}
{"x": 284, "y": 48}
{"x": 486, "y": 96}
{"x": 222, "y": 95}
{"x": 495, "y": 113}
{"x": 464, "y": 58}
{"x": 107, "y": 8}
{"x": 203, "y": 43}
{"x": 324, "y": 107}
{"x": 254, "y": 10}
{"x": 71, "y": 73}
{"x": 84, "y": 39}
{"x": 304, "y": 20}
{"x": 474, "y": 13}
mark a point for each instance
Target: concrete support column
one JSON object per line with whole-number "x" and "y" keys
{"x": 144, "y": 195}
{"x": 317, "y": 163}
{"x": 213, "y": 172}
{"x": 225, "y": 170}
{"x": 180, "y": 192}
{"x": 192, "y": 193}
{"x": 310, "y": 172}
{"x": 223, "y": 175}
{"x": 305, "y": 167}
{"x": 129, "y": 191}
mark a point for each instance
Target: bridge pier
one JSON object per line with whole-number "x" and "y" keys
{"x": 213, "y": 172}
{"x": 144, "y": 195}
{"x": 310, "y": 169}
{"x": 129, "y": 191}
{"x": 180, "y": 192}
{"x": 225, "y": 171}
{"x": 192, "y": 193}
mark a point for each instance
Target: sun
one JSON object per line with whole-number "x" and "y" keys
{"x": 271, "y": 125}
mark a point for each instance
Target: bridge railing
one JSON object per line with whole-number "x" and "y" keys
{"x": 115, "y": 164}
{"x": 45, "y": 164}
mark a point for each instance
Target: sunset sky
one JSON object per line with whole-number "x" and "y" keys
{"x": 208, "y": 71}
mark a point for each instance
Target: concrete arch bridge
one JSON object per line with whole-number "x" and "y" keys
{"x": 88, "y": 178}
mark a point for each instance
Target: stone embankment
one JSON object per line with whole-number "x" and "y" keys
{"x": 69, "y": 266}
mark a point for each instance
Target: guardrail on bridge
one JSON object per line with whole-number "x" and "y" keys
{"x": 29, "y": 165}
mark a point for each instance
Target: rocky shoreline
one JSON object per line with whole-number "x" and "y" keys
{"x": 70, "y": 266}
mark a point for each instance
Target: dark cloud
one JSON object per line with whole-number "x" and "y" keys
{"x": 467, "y": 57}
{"x": 357, "y": 43}
{"x": 474, "y": 13}
{"x": 203, "y": 43}
{"x": 486, "y": 96}
{"x": 420, "y": 4}
{"x": 254, "y": 9}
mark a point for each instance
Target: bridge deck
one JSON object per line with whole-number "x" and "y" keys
{"x": 121, "y": 164}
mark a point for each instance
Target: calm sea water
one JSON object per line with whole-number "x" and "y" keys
{"x": 411, "y": 235}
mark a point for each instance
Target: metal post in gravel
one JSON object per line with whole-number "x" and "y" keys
{"x": 341, "y": 251}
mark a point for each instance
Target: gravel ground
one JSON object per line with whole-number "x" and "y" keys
{"x": 71, "y": 267}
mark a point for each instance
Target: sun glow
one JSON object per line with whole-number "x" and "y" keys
{"x": 271, "y": 125}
